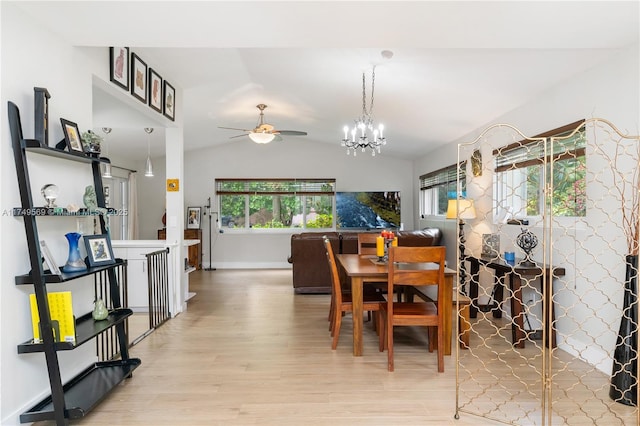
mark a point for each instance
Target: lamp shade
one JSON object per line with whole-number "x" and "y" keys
{"x": 467, "y": 210}
{"x": 148, "y": 168}
{"x": 261, "y": 137}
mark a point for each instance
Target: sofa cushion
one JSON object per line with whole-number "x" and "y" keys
{"x": 424, "y": 237}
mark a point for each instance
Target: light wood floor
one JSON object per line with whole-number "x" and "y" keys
{"x": 248, "y": 351}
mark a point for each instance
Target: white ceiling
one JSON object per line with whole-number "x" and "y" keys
{"x": 456, "y": 65}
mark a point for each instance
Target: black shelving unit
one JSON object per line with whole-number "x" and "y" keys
{"x": 79, "y": 395}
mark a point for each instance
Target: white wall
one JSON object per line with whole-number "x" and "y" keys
{"x": 611, "y": 91}
{"x": 284, "y": 159}
{"x": 31, "y": 58}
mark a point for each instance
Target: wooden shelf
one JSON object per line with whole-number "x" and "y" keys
{"x": 86, "y": 329}
{"x": 84, "y": 391}
{"x": 66, "y": 276}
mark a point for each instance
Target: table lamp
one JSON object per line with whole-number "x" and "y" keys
{"x": 461, "y": 209}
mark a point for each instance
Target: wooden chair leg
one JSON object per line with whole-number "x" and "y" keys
{"x": 433, "y": 337}
{"x": 381, "y": 330}
{"x": 464, "y": 326}
{"x": 336, "y": 331}
{"x": 389, "y": 333}
{"x": 441, "y": 349}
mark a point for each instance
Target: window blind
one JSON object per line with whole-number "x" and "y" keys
{"x": 531, "y": 152}
{"x": 275, "y": 186}
{"x": 444, "y": 176}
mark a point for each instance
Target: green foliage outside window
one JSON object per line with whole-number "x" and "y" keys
{"x": 276, "y": 203}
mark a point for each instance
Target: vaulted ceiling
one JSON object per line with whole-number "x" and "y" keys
{"x": 456, "y": 65}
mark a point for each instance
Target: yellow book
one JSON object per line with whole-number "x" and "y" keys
{"x": 62, "y": 319}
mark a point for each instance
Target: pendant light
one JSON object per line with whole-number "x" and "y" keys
{"x": 148, "y": 168}
{"x": 107, "y": 166}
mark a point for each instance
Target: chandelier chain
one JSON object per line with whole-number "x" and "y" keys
{"x": 364, "y": 125}
{"x": 365, "y": 113}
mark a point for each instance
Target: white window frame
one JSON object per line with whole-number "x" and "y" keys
{"x": 262, "y": 186}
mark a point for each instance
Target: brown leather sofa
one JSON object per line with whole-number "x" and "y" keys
{"x": 309, "y": 260}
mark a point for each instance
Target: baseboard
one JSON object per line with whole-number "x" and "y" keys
{"x": 600, "y": 359}
{"x": 249, "y": 265}
{"x": 312, "y": 290}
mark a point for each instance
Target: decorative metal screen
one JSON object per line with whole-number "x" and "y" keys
{"x": 554, "y": 343}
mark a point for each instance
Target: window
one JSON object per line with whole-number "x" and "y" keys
{"x": 436, "y": 188}
{"x": 276, "y": 203}
{"x": 524, "y": 168}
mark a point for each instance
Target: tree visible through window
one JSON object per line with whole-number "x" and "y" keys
{"x": 276, "y": 203}
{"x": 555, "y": 158}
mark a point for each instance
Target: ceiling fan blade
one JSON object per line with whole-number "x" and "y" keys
{"x": 291, "y": 132}
{"x": 277, "y": 138}
{"x": 234, "y": 128}
{"x": 238, "y": 136}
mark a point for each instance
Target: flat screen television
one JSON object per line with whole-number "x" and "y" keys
{"x": 368, "y": 210}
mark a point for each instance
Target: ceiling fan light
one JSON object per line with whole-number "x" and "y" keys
{"x": 261, "y": 137}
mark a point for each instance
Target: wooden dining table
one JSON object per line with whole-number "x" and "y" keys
{"x": 364, "y": 269}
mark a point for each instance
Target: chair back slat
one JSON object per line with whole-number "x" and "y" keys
{"x": 417, "y": 266}
{"x": 367, "y": 243}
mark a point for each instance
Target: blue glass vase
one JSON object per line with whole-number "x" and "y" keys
{"x": 74, "y": 262}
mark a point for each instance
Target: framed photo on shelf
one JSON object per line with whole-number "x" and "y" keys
{"x": 169, "y": 101}
{"x": 491, "y": 245}
{"x": 138, "y": 78}
{"x": 194, "y": 215}
{"x": 72, "y": 136}
{"x": 48, "y": 258}
{"x": 119, "y": 66}
{"x": 155, "y": 90}
{"x": 99, "y": 251}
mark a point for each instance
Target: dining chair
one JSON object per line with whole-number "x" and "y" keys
{"x": 367, "y": 246}
{"x": 367, "y": 243}
{"x": 341, "y": 302}
{"x": 416, "y": 266}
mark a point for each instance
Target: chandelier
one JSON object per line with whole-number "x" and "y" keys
{"x": 364, "y": 134}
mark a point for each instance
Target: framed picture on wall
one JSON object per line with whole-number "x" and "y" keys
{"x": 193, "y": 217}
{"x": 169, "y": 102}
{"x": 155, "y": 90}
{"x": 119, "y": 66}
{"x": 138, "y": 78}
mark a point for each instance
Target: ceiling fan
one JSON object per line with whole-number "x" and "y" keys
{"x": 264, "y": 132}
